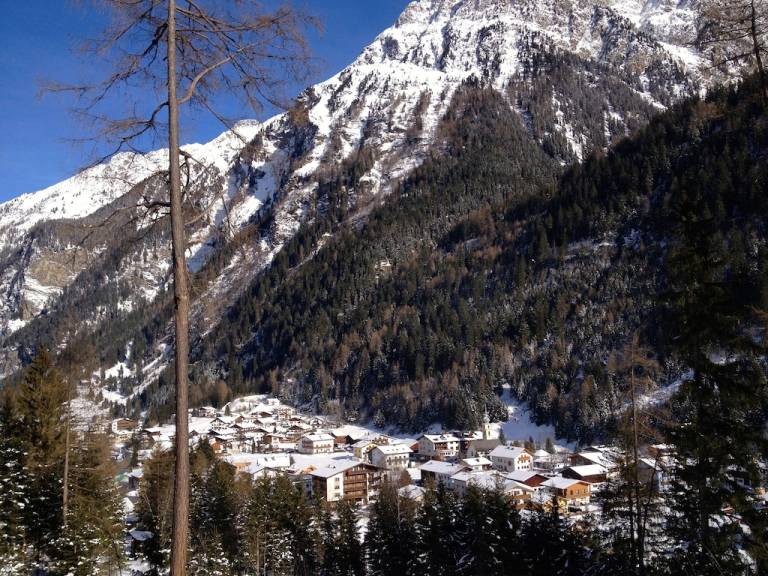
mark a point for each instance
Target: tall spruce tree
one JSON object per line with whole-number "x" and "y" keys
{"x": 390, "y": 540}
{"x": 722, "y": 403}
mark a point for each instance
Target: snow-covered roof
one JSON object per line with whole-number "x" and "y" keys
{"x": 440, "y": 467}
{"x": 507, "y": 452}
{"x": 480, "y": 461}
{"x": 521, "y": 475}
{"x": 589, "y": 470}
{"x": 393, "y": 449}
{"x": 560, "y": 483}
{"x": 318, "y": 437}
{"x": 335, "y": 467}
{"x": 542, "y": 454}
{"x": 603, "y": 458}
{"x": 412, "y": 492}
{"x": 435, "y": 438}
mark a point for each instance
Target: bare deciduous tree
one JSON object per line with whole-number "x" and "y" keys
{"x": 736, "y": 31}
{"x": 185, "y": 53}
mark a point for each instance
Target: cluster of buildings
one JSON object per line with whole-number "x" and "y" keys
{"x": 261, "y": 437}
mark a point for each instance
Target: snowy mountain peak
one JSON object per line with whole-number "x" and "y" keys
{"x": 579, "y": 74}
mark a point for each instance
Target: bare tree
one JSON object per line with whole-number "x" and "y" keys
{"x": 634, "y": 364}
{"x": 736, "y": 31}
{"x": 186, "y": 52}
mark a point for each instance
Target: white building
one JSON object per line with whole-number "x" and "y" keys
{"x": 391, "y": 456}
{"x": 439, "y": 446}
{"x": 316, "y": 443}
{"x": 511, "y": 458}
{"x": 439, "y": 472}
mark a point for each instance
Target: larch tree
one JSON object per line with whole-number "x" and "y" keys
{"x": 186, "y": 53}
{"x": 736, "y": 32}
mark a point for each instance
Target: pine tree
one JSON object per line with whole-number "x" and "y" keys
{"x": 723, "y": 404}
{"x": 436, "y": 531}
{"x": 390, "y": 540}
{"x": 349, "y": 549}
{"x": 13, "y": 492}
{"x": 38, "y": 429}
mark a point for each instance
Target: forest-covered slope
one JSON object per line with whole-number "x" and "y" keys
{"x": 415, "y": 314}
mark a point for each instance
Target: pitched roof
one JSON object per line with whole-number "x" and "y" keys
{"x": 440, "y": 467}
{"x": 440, "y": 437}
{"x": 560, "y": 483}
{"x": 508, "y": 451}
{"x": 480, "y": 461}
{"x": 390, "y": 449}
{"x": 318, "y": 437}
{"x": 335, "y": 467}
{"x": 589, "y": 470}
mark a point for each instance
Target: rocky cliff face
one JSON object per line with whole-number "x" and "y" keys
{"x": 85, "y": 252}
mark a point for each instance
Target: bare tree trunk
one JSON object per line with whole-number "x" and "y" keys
{"x": 65, "y": 486}
{"x": 636, "y": 472}
{"x": 181, "y": 297}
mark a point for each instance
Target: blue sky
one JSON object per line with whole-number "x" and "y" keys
{"x": 38, "y": 41}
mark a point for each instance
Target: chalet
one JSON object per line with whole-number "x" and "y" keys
{"x": 528, "y": 478}
{"x": 592, "y": 473}
{"x": 362, "y": 449}
{"x": 204, "y": 412}
{"x": 511, "y": 458}
{"x": 477, "y": 447}
{"x": 443, "y": 446}
{"x": 568, "y": 493}
{"x": 346, "y": 479}
{"x": 124, "y": 425}
{"x": 391, "y": 456}
{"x": 492, "y": 480}
{"x": 316, "y": 443}
{"x": 605, "y": 457}
{"x": 438, "y": 472}
{"x": 477, "y": 464}
{"x": 295, "y": 431}
{"x": 222, "y": 422}
{"x": 348, "y": 435}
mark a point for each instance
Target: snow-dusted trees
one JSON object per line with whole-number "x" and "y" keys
{"x": 34, "y": 533}
{"x": 737, "y": 33}
{"x": 92, "y": 540}
{"x": 391, "y": 537}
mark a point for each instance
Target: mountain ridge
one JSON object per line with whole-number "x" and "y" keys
{"x": 379, "y": 118}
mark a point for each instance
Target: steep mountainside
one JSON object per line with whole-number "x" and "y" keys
{"x": 425, "y": 316}
{"x": 571, "y": 77}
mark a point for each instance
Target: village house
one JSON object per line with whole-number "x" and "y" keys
{"x": 442, "y": 446}
{"x": 204, "y": 412}
{"x": 316, "y": 443}
{"x": 391, "y": 456}
{"x": 606, "y": 457}
{"x": 124, "y": 425}
{"x": 511, "y": 458}
{"x": 346, "y": 479}
{"x": 477, "y": 447}
{"x": 477, "y": 464}
{"x": 438, "y": 472}
{"x": 348, "y": 435}
{"x": 222, "y": 422}
{"x": 568, "y": 493}
{"x": 528, "y": 478}
{"x": 592, "y": 473}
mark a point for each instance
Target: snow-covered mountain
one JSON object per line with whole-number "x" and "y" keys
{"x": 61, "y": 246}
